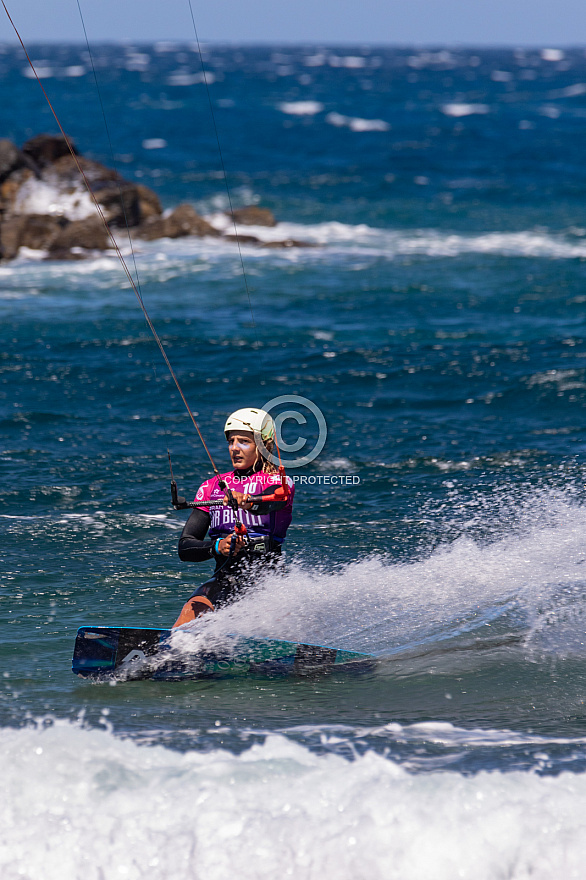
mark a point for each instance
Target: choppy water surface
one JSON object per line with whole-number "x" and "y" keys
{"x": 439, "y": 326}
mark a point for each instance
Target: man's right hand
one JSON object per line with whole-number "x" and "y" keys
{"x": 225, "y": 544}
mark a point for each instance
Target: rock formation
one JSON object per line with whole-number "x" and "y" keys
{"x": 182, "y": 221}
{"x": 252, "y": 215}
{"x": 45, "y": 205}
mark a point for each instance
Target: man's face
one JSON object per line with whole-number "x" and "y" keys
{"x": 242, "y": 449}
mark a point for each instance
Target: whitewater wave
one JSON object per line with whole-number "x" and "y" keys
{"x": 301, "y": 108}
{"x": 85, "y": 804}
{"x": 464, "y": 109}
{"x": 166, "y": 259}
{"x": 362, "y": 238}
{"x": 356, "y": 123}
{"x": 528, "y": 584}
{"x": 514, "y": 577}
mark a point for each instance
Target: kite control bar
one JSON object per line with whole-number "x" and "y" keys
{"x": 281, "y": 493}
{"x": 179, "y": 502}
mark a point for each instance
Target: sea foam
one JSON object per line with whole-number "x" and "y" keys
{"x": 45, "y": 197}
{"x": 165, "y": 259}
{"x": 463, "y": 587}
{"x": 84, "y": 804}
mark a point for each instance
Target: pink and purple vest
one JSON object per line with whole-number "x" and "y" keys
{"x": 273, "y": 525}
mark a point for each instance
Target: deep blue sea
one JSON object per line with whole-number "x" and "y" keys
{"x": 439, "y": 324}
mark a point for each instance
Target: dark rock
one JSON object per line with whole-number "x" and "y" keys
{"x": 65, "y": 169}
{"x": 9, "y": 188}
{"x": 288, "y": 243}
{"x": 9, "y": 237}
{"x": 44, "y": 149}
{"x": 89, "y": 234}
{"x": 36, "y": 231}
{"x": 11, "y": 158}
{"x": 120, "y": 204}
{"x": 39, "y": 231}
{"x": 148, "y": 201}
{"x": 10, "y": 231}
{"x": 65, "y": 254}
{"x": 184, "y": 220}
{"x": 54, "y": 234}
{"x": 123, "y": 203}
{"x": 152, "y": 228}
{"x": 126, "y": 204}
{"x": 243, "y": 239}
{"x": 252, "y": 215}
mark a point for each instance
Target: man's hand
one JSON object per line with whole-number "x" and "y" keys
{"x": 225, "y": 544}
{"x": 241, "y": 500}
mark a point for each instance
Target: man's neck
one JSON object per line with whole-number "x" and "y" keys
{"x": 244, "y": 472}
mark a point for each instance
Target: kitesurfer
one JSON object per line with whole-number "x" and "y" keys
{"x": 237, "y": 556}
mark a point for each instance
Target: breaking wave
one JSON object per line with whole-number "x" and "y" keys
{"x": 165, "y": 259}
{"x": 85, "y": 804}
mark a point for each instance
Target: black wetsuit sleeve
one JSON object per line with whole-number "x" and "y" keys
{"x": 262, "y": 507}
{"x": 192, "y": 547}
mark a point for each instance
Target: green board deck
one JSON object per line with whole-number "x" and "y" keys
{"x": 131, "y": 653}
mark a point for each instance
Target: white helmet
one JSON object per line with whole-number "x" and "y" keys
{"x": 256, "y": 420}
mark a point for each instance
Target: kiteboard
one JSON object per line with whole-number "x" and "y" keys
{"x": 129, "y": 653}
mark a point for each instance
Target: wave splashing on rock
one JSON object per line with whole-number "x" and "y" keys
{"x": 45, "y": 205}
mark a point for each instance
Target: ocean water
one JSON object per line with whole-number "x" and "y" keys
{"x": 439, "y": 325}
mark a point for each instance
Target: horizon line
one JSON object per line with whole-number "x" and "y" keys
{"x": 301, "y": 44}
